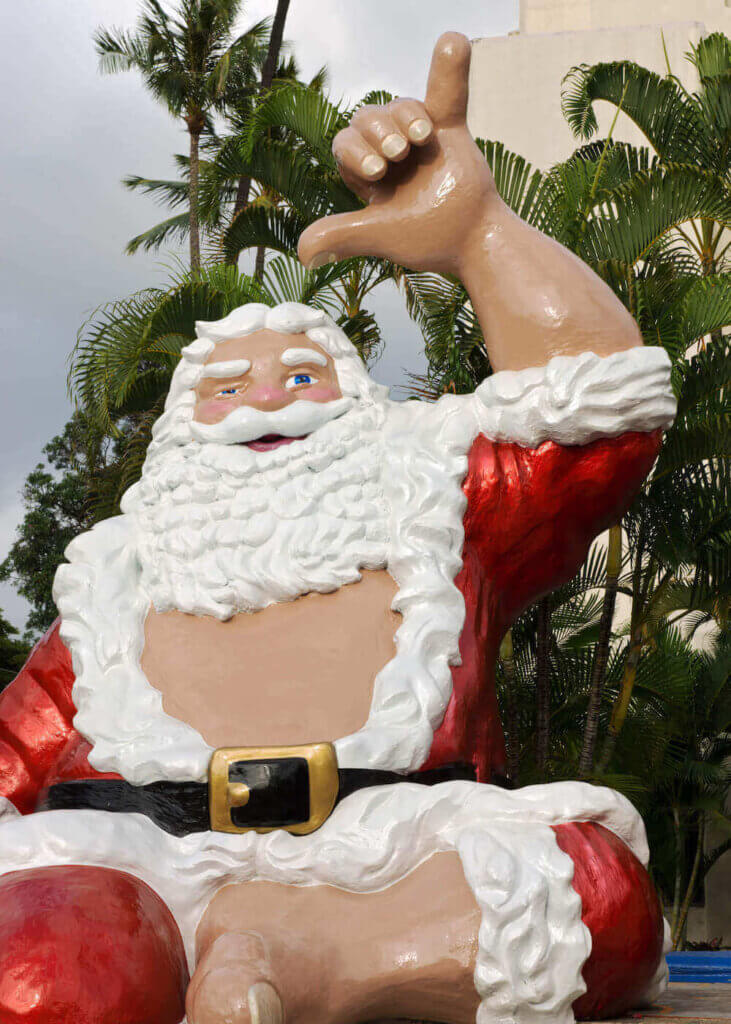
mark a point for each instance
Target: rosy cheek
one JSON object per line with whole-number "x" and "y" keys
{"x": 320, "y": 393}
{"x": 213, "y": 410}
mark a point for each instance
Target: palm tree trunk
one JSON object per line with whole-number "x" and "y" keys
{"x": 601, "y": 652}
{"x": 678, "y": 870}
{"x": 275, "y": 45}
{"x": 543, "y": 695}
{"x": 511, "y": 714}
{"x": 195, "y": 241}
{"x": 621, "y": 706}
{"x": 259, "y": 266}
{"x": 267, "y": 77}
{"x": 680, "y": 926}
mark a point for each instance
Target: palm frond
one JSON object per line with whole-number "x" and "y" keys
{"x": 663, "y": 112}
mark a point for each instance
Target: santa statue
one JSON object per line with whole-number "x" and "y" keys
{"x": 253, "y": 775}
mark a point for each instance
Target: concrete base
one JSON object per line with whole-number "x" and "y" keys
{"x": 702, "y": 1004}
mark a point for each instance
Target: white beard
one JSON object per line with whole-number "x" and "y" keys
{"x": 224, "y": 529}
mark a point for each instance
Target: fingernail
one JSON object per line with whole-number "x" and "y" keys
{"x": 321, "y": 259}
{"x": 373, "y": 165}
{"x": 393, "y": 145}
{"x": 419, "y": 129}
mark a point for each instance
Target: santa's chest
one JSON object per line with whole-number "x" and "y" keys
{"x": 291, "y": 673}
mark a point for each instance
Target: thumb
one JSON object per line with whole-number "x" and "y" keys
{"x": 447, "y": 89}
{"x": 360, "y": 233}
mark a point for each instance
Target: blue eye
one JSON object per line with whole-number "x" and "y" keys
{"x": 300, "y": 378}
{"x": 227, "y": 391}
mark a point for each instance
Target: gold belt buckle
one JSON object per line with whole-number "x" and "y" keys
{"x": 224, "y": 795}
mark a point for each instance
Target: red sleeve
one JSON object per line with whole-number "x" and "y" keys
{"x": 533, "y": 512}
{"x": 36, "y": 711}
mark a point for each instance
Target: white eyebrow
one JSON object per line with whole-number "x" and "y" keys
{"x": 295, "y": 356}
{"x": 233, "y": 368}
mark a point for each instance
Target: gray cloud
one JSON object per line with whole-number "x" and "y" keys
{"x": 69, "y": 137}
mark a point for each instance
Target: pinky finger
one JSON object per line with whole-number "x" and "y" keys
{"x": 359, "y": 162}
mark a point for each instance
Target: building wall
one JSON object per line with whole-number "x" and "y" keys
{"x": 515, "y": 82}
{"x": 576, "y": 15}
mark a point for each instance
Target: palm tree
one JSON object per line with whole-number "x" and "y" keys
{"x": 684, "y": 129}
{"x": 219, "y": 199}
{"x": 187, "y": 58}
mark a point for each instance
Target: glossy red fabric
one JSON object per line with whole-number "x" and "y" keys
{"x": 90, "y": 946}
{"x": 623, "y": 913}
{"x": 531, "y": 517}
{"x": 38, "y": 743}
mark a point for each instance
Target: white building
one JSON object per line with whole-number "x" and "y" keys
{"x": 515, "y": 97}
{"x": 515, "y": 88}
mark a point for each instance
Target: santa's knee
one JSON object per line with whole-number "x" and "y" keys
{"x": 621, "y": 909}
{"x": 87, "y": 944}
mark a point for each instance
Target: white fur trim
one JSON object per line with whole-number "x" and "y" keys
{"x": 532, "y": 944}
{"x": 577, "y": 399}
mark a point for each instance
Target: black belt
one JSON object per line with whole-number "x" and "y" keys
{"x": 249, "y": 789}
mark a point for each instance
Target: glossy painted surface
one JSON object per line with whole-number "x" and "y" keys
{"x": 623, "y": 913}
{"x": 89, "y": 946}
{"x": 531, "y": 516}
{"x": 433, "y": 205}
{"x": 270, "y": 382}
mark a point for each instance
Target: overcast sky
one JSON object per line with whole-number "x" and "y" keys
{"x": 70, "y": 135}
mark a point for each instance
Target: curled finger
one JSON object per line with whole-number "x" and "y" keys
{"x": 358, "y": 160}
{"x": 379, "y": 129}
{"x": 412, "y": 119}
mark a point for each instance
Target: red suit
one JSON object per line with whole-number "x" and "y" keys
{"x": 531, "y": 516}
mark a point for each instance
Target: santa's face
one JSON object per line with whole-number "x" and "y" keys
{"x": 254, "y": 379}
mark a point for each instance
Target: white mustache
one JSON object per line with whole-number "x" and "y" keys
{"x": 249, "y": 424}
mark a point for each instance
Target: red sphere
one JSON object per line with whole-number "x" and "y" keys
{"x": 623, "y": 913}
{"x": 90, "y": 946}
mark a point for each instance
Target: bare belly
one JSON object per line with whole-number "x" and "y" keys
{"x": 293, "y": 673}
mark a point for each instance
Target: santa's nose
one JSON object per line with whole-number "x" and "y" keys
{"x": 268, "y": 396}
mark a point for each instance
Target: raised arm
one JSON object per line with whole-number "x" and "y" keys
{"x": 433, "y": 205}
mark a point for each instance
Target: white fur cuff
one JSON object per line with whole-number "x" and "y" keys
{"x": 577, "y": 399}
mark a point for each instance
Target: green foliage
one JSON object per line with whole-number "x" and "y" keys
{"x": 189, "y": 58}
{"x": 13, "y": 652}
{"x": 55, "y": 497}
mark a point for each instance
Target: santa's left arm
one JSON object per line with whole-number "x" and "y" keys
{"x": 572, "y": 371}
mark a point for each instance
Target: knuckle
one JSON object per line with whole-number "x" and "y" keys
{"x": 367, "y": 116}
{"x": 403, "y": 104}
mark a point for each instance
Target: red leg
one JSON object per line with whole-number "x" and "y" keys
{"x": 87, "y": 944}
{"x": 623, "y": 913}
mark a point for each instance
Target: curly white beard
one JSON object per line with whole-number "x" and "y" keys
{"x": 224, "y": 529}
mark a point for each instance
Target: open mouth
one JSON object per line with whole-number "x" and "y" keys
{"x": 267, "y": 442}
